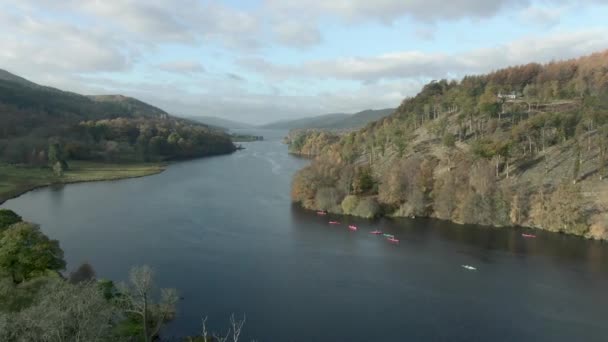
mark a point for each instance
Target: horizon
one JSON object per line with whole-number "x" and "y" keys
{"x": 258, "y": 62}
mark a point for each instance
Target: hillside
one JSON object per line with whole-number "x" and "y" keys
{"x": 333, "y": 121}
{"x": 105, "y": 128}
{"x": 7, "y": 76}
{"x": 524, "y": 145}
{"x": 311, "y": 122}
{"x": 133, "y": 107}
{"x": 224, "y": 124}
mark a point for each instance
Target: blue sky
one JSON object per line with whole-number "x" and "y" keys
{"x": 260, "y": 61}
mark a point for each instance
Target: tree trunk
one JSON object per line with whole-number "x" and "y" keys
{"x": 145, "y": 317}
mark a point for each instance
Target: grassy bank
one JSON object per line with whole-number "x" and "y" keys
{"x": 15, "y": 180}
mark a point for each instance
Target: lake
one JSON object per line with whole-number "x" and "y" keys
{"x": 223, "y": 231}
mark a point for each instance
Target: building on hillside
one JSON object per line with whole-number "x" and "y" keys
{"x": 511, "y": 96}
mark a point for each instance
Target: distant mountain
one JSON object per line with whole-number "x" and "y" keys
{"x": 333, "y": 121}
{"x": 220, "y": 122}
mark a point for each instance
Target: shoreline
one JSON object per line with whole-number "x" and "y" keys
{"x": 79, "y": 176}
{"x": 522, "y": 228}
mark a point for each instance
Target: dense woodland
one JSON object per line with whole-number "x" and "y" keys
{"x": 41, "y": 124}
{"x": 525, "y": 145}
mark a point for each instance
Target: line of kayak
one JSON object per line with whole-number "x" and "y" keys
{"x": 389, "y": 237}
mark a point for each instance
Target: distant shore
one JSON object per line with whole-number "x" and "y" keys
{"x": 18, "y": 180}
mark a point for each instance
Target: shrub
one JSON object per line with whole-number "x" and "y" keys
{"x": 367, "y": 207}
{"x": 349, "y": 204}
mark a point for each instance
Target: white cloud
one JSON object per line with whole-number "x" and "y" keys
{"x": 417, "y": 64}
{"x": 390, "y": 10}
{"x": 36, "y": 45}
{"x": 292, "y": 33}
{"x": 154, "y": 22}
{"x": 182, "y": 67}
{"x": 543, "y": 16}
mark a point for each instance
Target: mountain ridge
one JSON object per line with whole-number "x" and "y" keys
{"x": 333, "y": 120}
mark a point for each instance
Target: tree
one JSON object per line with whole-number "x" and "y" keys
{"x": 363, "y": 182}
{"x": 137, "y": 298}
{"x": 26, "y": 252}
{"x": 83, "y": 273}
{"x": 327, "y": 199}
{"x": 577, "y": 162}
{"x": 367, "y": 207}
{"x": 7, "y": 218}
{"x": 58, "y": 169}
{"x": 56, "y": 155}
{"x": 62, "y": 312}
{"x": 349, "y": 204}
{"x": 449, "y": 140}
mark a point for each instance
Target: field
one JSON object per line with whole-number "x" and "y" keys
{"x": 15, "y": 180}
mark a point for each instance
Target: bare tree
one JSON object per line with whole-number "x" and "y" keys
{"x": 137, "y": 298}
{"x": 232, "y": 335}
{"x": 62, "y": 312}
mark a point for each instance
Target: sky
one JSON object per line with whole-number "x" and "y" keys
{"x": 258, "y": 61}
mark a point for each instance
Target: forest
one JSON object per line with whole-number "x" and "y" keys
{"x": 41, "y": 125}
{"x": 524, "y": 145}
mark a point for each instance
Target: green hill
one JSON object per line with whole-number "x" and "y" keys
{"x": 224, "y": 124}
{"x": 133, "y": 107}
{"x": 105, "y": 128}
{"x": 525, "y": 145}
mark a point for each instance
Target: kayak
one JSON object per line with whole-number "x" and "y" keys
{"x": 375, "y": 232}
{"x": 469, "y": 267}
{"x": 392, "y": 240}
{"x": 388, "y": 235}
{"x": 531, "y": 236}
{"x": 321, "y": 213}
{"x": 334, "y": 222}
{"x": 351, "y": 227}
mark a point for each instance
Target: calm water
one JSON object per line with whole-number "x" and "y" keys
{"x": 223, "y": 232}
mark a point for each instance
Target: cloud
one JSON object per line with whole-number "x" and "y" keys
{"x": 543, "y": 16}
{"x": 37, "y": 45}
{"x": 156, "y": 22}
{"x": 425, "y": 33}
{"x": 292, "y": 33}
{"x": 417, "y": 64}
{"x": 389, "y": 10}
{"x": 235, "y": 77}
{"x": 182, "y": 67}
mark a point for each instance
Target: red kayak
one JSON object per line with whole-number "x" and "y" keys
{"x": 321, "y": 213}
{"x": 393, "y": 240}
{"x": 334, "y": 222}
{"x": 375, "y": 232}
{"x": 351, "y": 227}
{"x": 529, "y": 236}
